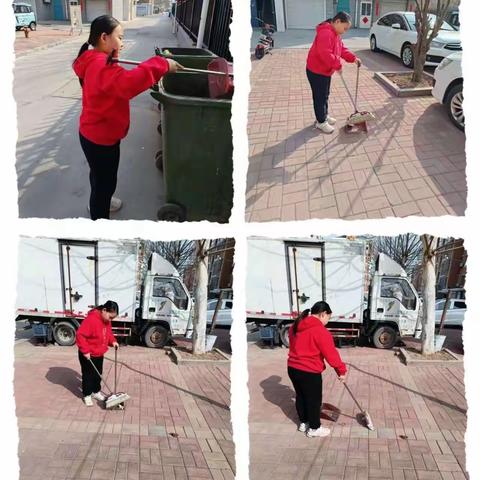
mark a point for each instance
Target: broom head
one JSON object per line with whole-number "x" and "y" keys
{"x": 116, "y": 400}
{"x": 360, "y": 117}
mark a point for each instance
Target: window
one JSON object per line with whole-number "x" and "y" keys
{"x": 400, "y": 20}
{"x": 460, "y": 305}
{"x": 439, "y": 305}
{"x": 170, "y": 288}
{"x": 411, "y": 21}
{"x": 366, "y": 9}
{"x": 229, "y": 305}
{"x": 399, "y": 289}
{"x": 386, "y": 21}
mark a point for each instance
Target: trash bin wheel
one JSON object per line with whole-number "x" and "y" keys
{"x": 159, "y": 160}
{"x": 172, "y": 212}
{"x": 159, "y": 128}
{"x": 160, "y": 106}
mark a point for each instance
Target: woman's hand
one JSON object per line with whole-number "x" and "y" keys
{"x": 342, "y": 378}
{"x": 87, "y": 356}
{"x": 358, "y": 62}
{"x": 173, "y": 66}
{"x": 116, "y": 345}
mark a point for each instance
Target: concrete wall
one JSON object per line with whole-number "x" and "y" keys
{"x": 117, "y": 9}
{"x": 43, "y": 11}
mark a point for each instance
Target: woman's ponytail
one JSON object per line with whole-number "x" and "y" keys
{"x": 303, "y": 315}
{"x": 83, "y": 49}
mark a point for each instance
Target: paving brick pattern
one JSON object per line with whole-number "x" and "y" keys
{"x": 176, "y": 425}
{"x": 419, "y": 414}
{"x": 412, "y": 162}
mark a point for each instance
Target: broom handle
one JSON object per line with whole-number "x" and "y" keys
{"x": 101, "y": 378}
{"x": 354, "y": 399}
{"x": 184, "y": 69}
{"x": 356, "y": 88}
{"x": 115, "y": 386}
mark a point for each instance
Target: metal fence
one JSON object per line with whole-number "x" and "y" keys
{"x": 217, "y": 28}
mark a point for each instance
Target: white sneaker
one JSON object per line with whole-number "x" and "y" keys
{"x": 115, "y": 205}
{"x": 99, "y": 396}
{"x": 324, "y": 127}
{"x": 303, "y": 427}
{"x": 331, "y": 120}
{"x": 88, "y": 401}
{"x": 318, "y": 432}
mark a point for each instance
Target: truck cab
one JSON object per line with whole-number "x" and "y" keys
{"x": 394, "y": 304}
{"x": 166, "y": 303}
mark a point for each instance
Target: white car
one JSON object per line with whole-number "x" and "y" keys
{"x": 396, "y": 33}
{"x": 455, "y": 312}
{"x": 448, "y": 88}
{"x": 224, "y": 314}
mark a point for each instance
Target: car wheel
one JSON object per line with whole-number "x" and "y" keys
{"x": 384, "y": 337}
{"x": 373, "y": 44}
{"x": 284, "y": 337}
{"x": 407, "y": 56}
{"x": 32, "y": 26}
{"x": 454, "y": 104}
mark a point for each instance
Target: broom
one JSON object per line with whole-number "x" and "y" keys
{"x": 367, "y": 420}
{"x": 356, "y": 117}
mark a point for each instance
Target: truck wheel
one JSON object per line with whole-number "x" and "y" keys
{"x": 159, "y": 160}
{"x": 384, "y": 337}
{"x": 171, "y": 212}
{"x": 64, "y": 334}
{"x": 284, "y": 335}
{"x": 32, "y": 26}
{"x": 156, "y": 337}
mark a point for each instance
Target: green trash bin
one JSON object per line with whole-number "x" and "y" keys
{"x": 188, "y": 57}
{"x": 197, "y": 149}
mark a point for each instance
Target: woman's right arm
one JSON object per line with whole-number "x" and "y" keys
{"x": 130, "y": 83}
{"x": 330, "y": 353}
{"x": 83, "y": 333}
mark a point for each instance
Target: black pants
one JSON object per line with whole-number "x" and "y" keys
{"x": 308, "y": 389}
{"x": 320, "y": 85}
{"x": 103, "y": 161}
{"x": 91, "y": 382}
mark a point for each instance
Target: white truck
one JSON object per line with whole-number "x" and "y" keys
{"x": 59, "y": 281}
{"x": 369, "y": 297}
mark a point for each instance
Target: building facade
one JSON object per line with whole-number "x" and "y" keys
{"x": 220, "y": 265}
{"x": 307, "y": 14}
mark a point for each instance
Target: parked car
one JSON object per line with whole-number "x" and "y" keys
{"x": 396, "y": 33}
{"x": 224, "y": 314}
{"x": 453, "y": 18}
{"x": 455, "y": 312}
{"x": 448, "y": 88}
{"x": 24, "y": 16}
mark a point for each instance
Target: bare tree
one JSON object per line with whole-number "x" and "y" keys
{"x": 201, "y": 294}
{"x": 428, "y": 321}
{"x": 427, "y": 30}
{"x": 405, "y": 249}
{"x": 179, "y": 253}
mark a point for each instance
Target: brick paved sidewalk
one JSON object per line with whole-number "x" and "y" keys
{"x": 419, "y": 414}
{"x": 45, "y": 37}
{"x": 412, "y": 162}
{"x": 62, "y": 439}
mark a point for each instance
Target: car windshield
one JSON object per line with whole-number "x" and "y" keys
{"x": 410, "y": 16}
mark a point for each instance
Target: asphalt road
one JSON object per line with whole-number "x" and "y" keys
{"x": 52, "y": 171}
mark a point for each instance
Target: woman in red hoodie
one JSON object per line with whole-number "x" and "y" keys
{"x": 310, "y": 345}
{"x": 324, "y": 59}
{"x": 94, "y": 336}
{"x": 105, "y": 117}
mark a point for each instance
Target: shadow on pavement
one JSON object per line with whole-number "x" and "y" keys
{"x": 188, "y": 392}
{"x": 423, "y": 395}
{"x": 66, "y": 377}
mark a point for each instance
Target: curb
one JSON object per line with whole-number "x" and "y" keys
{"x": 48, "y": 45}
{"x": 183, "y": 361}
{"x": 403, "y": 92}
{"x": 409, "y": 360}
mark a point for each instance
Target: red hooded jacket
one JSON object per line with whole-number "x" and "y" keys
{"x": 326, "y": 51}
{"x": 107, "y": 90}
{"x": 311, "y": 346}
{"x": 94, "y": 336}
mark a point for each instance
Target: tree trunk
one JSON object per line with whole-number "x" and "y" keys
{"x": 429, "y": 280}
{"x": 201, "y": 294}
{"x": 419, "y": 65}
